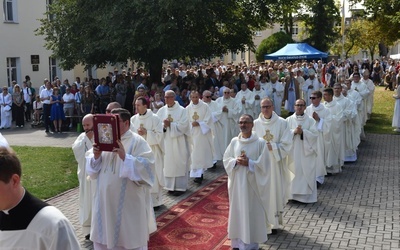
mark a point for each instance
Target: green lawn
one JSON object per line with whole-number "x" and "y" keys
{"x": 382, "y": 112}
{"x": 47, "y": 171}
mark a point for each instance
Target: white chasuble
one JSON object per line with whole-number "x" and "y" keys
{"x": 248, "y": 189}
{"x": 302, "y": 159}
{"x": 155, "y": 138}
{"x": 201, "y": 138}
{"x": 276, "y": 131}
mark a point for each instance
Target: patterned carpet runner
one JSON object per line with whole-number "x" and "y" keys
{"x": 199, "y": 222}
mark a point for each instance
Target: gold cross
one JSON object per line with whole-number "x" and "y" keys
{"x": 195, "y": 116}
{"x": 268, "y": 136}
{"x": 170, "y": 118}
{"x": 141, "y": 125}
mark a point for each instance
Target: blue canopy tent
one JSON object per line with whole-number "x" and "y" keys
{"x": 296, "y": 51}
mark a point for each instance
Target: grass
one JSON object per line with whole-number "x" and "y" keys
{"x": 382, "y": 112}
{"x": 47, "y": 171}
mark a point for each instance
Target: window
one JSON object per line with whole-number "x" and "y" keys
{"x": 257, "y": 33}
{"x": 13, "y": 70}
{"x": 233, "y": 56}
{"x": 243, "y": 55}
{"x": 50, "y": 17}
{"x": 295, "y": 29}
{"x": 10, "y": 10}
{"x": 53, "y": 69}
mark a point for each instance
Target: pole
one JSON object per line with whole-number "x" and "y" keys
{"x": 342, "y": 31}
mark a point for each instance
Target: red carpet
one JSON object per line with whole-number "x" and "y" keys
{"x": 199, "y": 222}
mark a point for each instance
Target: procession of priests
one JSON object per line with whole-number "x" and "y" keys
{"x": 269, "y": 160}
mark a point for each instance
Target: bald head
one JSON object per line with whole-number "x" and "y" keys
{"x": 111, "y": 106}
{"x": 87, "y": 123}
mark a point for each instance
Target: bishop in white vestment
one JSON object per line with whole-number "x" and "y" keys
{"x": 247, "y": 163}
{"x": 148, "y": 125}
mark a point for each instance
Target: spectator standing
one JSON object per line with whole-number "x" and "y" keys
{"x": 28, "y": 101}
{"x": 6, "y": 103}
{"x": 57, "y": 112}
{"x": 68, "y": 101}
{"x": 18, "y": 107}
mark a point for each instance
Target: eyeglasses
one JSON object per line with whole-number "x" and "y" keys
{"x": 245, "y": 122}
{"x": 266, "y": 107}
{"x": 299, "y": 105}
{"x": 227, "y": 92}
{"x": 208, "y": 96}
{"x": 312, "y": 97}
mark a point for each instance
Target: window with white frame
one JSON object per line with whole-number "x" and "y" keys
{"x": 10, "y": 11}
{"x": 257, "y": 33}
{"x": 50, "y": 2}
{"x": 13, "y": 69}
{"x": 233, "y": 56}
{"x": 295, "y": 29}
{"x": 53, "y": 69}
{"x": 281, "y": 28}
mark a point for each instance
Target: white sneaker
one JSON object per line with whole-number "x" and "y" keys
{"x": 70, "y": 125}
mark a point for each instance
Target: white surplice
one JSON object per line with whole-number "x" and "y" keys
{"x": 216, "y": 112}
{"x": 261, "y": 94}
{"x": 324, "y": 138}
{"x": 364, "y": 92}
{"x": 5, "y": 102}
{"x": 281, "y": 176}
{"x": 276, "y": 90}
{"x": 122, "y": 211}
{"x": 201, "y": 138}
{"x": 87, "y": 186}
{"x": 176, "y": 150}
{"x": 302, "y": 159}
{"x": 396, "y": 112}
{"x": 335, "y": 157}
{"x": 155, "y": 138}
{"x": 248, "y": 106}
{"x": 370, "y": 98}
{"x": 315, "y": 85}
{"x": 248, "y": 189}
{"x": 228, "y": 121}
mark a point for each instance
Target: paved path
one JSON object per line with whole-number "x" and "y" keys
{"x": 356, "y": 209}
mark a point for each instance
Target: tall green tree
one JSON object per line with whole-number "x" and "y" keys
{"x": 386, "y": 16}
{"x": 271, "y": 44}
{"x": 320, "y": 19}
{"x": 97, "y": 32}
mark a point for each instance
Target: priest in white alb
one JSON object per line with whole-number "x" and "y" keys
{"x": 216, "y": 112}
{"x": 122, "y": 214}
{"x": 322, "y": 117}
{"x": 201, "y": 138}
{"x": 276, "y": 90}
{"x": 371, "y": 87}
{"x": 335, "y": 155}
{"x": 87, "y": 186}
{"x": 245, "y": 99}
{"x": 363, "y": 90}
{"x": 229, "y": 118}
{"x": 259, "y": 94}
{"x": 311, "y": 84}
{"x": 177, "y": 150}
{"x": 275, "y": 131}
{"x": 148, "y": 125}
{"x": 303, "y": 155}
{"x": 247, "y": 163}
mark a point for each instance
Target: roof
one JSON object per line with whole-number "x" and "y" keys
{"x": 295, "y": 51}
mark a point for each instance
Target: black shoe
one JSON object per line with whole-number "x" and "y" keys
{"x": 198, "y": 180}
{"x": 178, "y": 193}
{"x": 47, "y": 131}
{"x": 171, "y": 192}
{"x": 156, "y": 208}
{"x": 318, "y": 184}
{"x": 274, "y": 231}
{"x": 214, "y": 166}
{"x": 87, "y": 237}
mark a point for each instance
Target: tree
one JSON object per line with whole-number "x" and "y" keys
{"x": 284, "y": 12}
{"x": 350, "y": 47}
{"x": 386, "y": 15}
{"x": 320, "y": 19}
{"x": 97, "y": 32}
{"x": 271, "y": 44}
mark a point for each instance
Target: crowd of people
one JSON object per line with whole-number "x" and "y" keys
{"x": 175, "y": 131}
{"x": 191, "y": 123}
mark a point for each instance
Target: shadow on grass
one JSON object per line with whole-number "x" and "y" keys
{"x": 379, "y": 124}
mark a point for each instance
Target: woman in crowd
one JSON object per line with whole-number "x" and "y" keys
{"x": 37, "y": 110}
{"x": 18, "y": 106}
{"x": 88, "y": 101}
{"x": 5, "y": 102}
{"x": 57, "y": 113}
